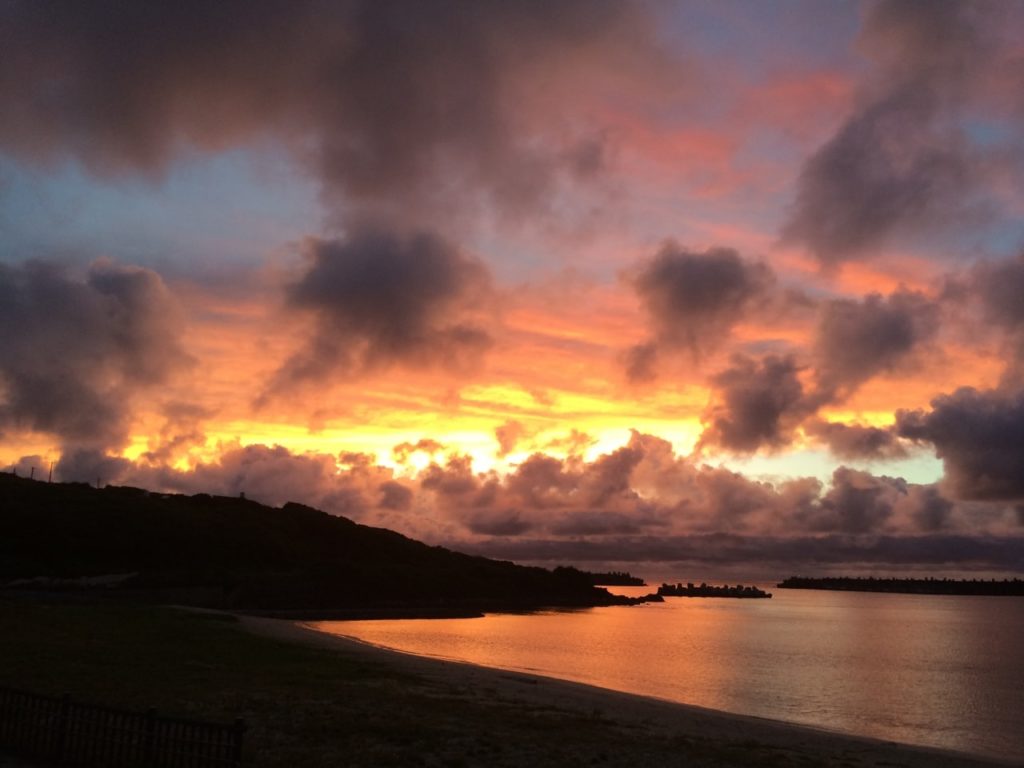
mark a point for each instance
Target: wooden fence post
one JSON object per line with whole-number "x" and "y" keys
{"x": 63, "y": 732}
{"x": 63, "y": 724}
{"x": 237, "y": 733}
{"x": 150, "y": 747}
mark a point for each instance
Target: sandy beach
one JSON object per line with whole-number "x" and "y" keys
{"x": 647, "y": 726}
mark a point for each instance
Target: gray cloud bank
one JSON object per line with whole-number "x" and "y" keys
{"x": 979, "y": 435}
{"x": 695, "y": 298}
{"x": 402, "y": 109}
{"x": 377, "y": 299}
{"x": 641, "y": 500}
{"x": 413, "y": 117}
{"x": 905, "y": 161}
{"x": 786, "y": 555}
{"x": 76, "y": 350}
{"x": 761, "y": 403}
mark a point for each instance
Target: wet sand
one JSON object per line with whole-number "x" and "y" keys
{"x": 703, "y": 737}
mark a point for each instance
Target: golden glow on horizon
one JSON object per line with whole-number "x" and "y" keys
{"x": 879, "y": 419}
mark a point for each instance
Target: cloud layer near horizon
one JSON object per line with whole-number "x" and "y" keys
{"x": 643, "y": 497}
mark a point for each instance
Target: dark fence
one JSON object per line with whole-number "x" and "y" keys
{"x": 60, "y": 731}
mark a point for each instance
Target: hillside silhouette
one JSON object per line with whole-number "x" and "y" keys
{"x": 235, "y": 553}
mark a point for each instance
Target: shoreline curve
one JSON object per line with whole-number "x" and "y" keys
{"x": 799, "y": 742}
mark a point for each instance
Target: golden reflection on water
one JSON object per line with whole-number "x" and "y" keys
{"x": 682, "y": 654}
{"x": 942, "y": 671}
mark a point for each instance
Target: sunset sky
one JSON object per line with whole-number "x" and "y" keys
{"x": 616, "y": 282}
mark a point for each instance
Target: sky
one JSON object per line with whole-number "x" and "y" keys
{"x": 670, "y": 285}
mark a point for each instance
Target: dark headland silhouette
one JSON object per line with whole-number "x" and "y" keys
{"x": 615, "y": 579}
{"x": 235, "y": 553}
{"x": 926, "y": 586}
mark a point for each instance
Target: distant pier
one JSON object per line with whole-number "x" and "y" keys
{"x": 710, "y": 590}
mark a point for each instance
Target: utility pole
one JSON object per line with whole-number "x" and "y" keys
{"x": 50, "y": 478}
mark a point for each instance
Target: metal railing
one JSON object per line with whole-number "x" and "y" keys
{"x": 61, "y": 731}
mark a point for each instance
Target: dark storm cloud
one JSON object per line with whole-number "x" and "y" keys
{"x": 853, "y": 441}
{"x": 759, "y": 404}
{"x": 430, "y": 100}
{"x": 694, "y": 300}
{"x": 120, "y": 85}
{"x": 378, "y": 299}
{"x": 74, "y": 352}
{"x": 902, "y": 161}
{"x": 723, "y": 500}
{"x": 857, "y": 340}
{"x": 541, "y": 482}
{"x": 88, "y": 465}
{"x": 608, "y": 478}
{"x": 931, "y": 511}
{"x": 603, "y": 523}
{"x": 876, "y": 177}
{"x": 858, "y": 502}
{"x": 454, "y": 482}
{"x": 490, "y": 522}
{"x": 395, "y": 496}
{"x": 861, "y": 503}
{"x": 399, "y": 106}
{"x": 999, "y": 286}
{"x": 980, "y": 438}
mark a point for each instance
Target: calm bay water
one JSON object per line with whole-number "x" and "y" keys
{"x": 933, "y": 670}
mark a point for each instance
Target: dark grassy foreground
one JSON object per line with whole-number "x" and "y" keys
{"x": 311, "y": 707}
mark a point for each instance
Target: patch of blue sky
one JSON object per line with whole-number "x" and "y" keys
{"x": 989, "y": 131}
{"x": 811, "y": 32}
{"x": 233, "y": 207}
{"x": 697, "y": 220}
{"x": 921, "y": 468}
{"x": 1005, "y": 239}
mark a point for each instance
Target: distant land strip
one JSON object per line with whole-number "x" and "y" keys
{"x": 926, "y": 586}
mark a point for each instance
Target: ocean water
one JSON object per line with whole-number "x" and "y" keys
{"x": 938, "y": 671}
